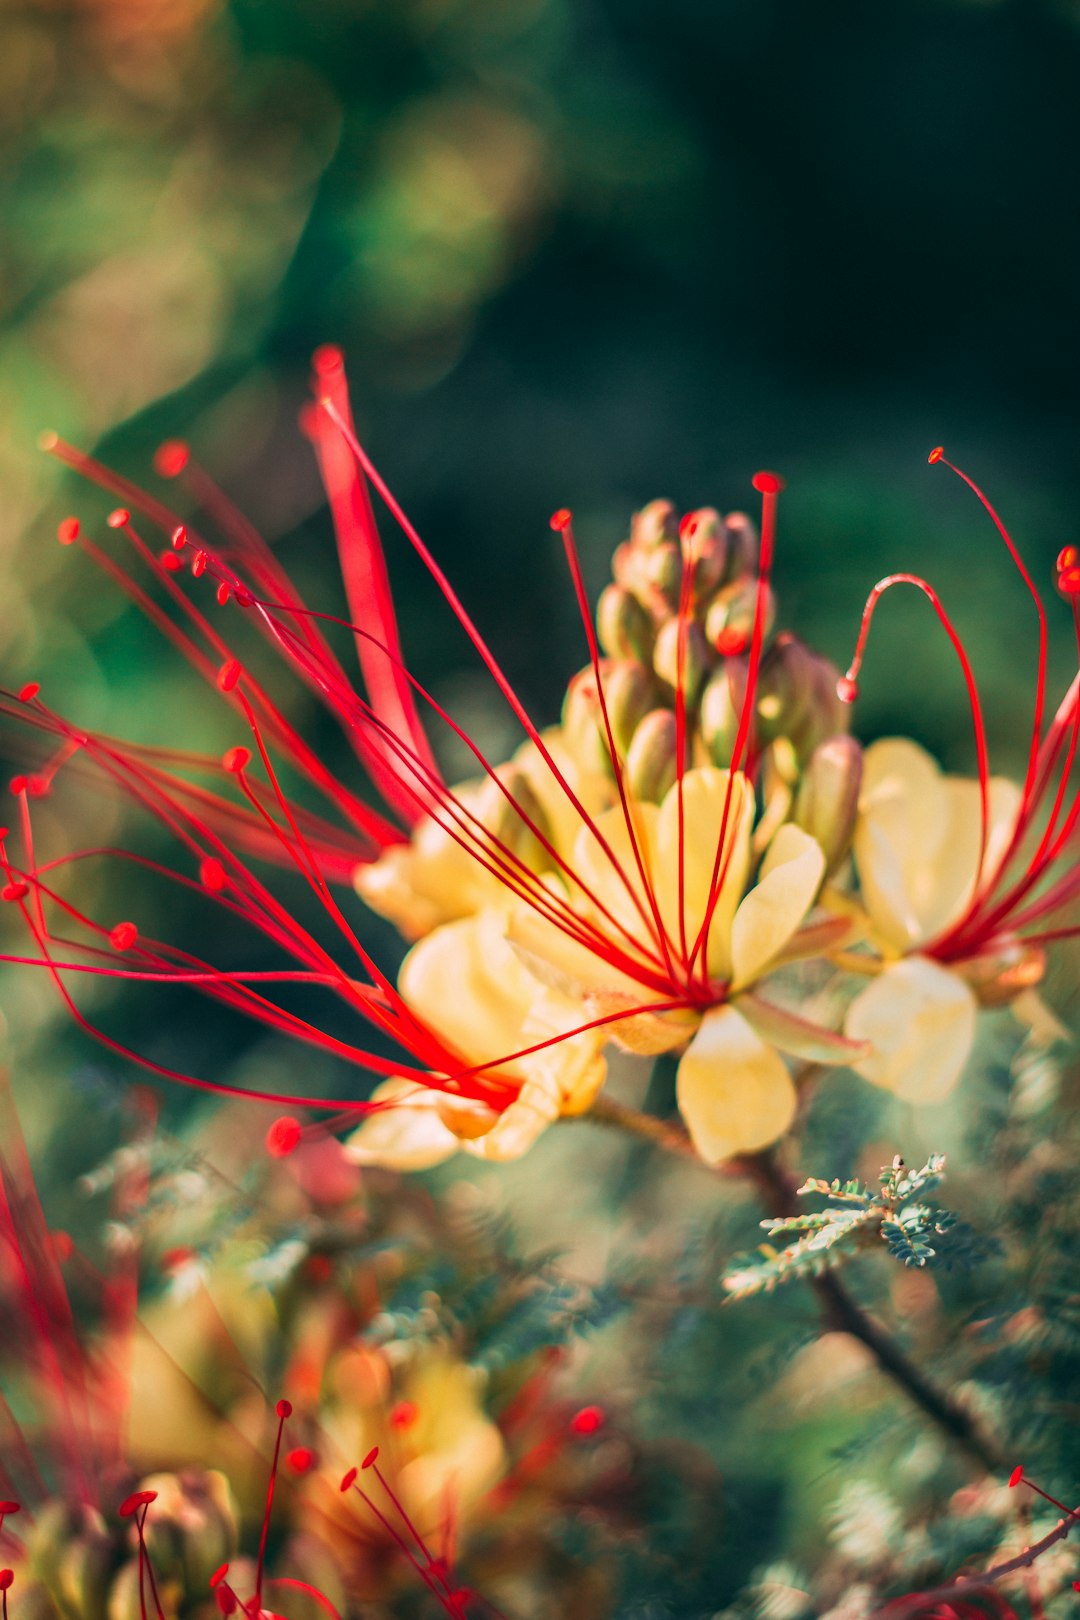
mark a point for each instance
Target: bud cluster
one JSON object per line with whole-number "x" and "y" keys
{"x": 676, "y": 627}
{"x": 80, "y": 1564}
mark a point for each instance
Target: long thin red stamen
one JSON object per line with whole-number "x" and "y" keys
{"x": 847, "y": 690}
{"x": 768, "y": 486}
{"x": 562, "y": 523}
{"x": 454, "y": 602}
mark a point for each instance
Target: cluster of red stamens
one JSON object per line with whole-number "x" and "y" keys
{"x": 1017, "y": 896}
{"x": 384, "y": 729}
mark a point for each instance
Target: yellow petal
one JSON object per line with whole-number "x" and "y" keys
{"x": 406, "y": 1136}
{"x": 606, "y": 860}
{"x": 536, "y": 1107}
{"x": 466, "y": 982}
{"x": 432, "y": 879}
{"x": 917, "y": 840}
{"x": 734, "y": 1092}
{"x": 920, "y": 1021}
{"x": 791, "y": 875}
{"x": 704, "y": 797}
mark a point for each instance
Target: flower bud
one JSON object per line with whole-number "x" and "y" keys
{"x": 653, "y": 525}
{"x": 721, "y": 706}
{"x": 797, "y": 696}
{"x": 662, "y": 574}
{"x": 191, "y": 1528}
{"x": 624, "y": 626}
{"x": 650, "y": 764}
{"x": 630, "y": 691}
{"x": 729, "y": 622}
{"x": 682, "y": 659}
{"x": 743, "y": 548}
{"x": 583, "y": 722}
{"x": 706, "y": 548}
{"x": 827, "y": 800}
{"x": 71, "y": 1552}
{"x": 504, "y": 820}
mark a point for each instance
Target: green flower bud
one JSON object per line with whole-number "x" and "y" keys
{"x": 682, "y": 658}
{"x": 507, "y": 826}
{"x": 650, "y": 764}
{"x": 191, "y": 1528}
{"x": 705, "y": 546}
{"x": 729, "y": 621}
{"x": 654, "y": 524}
{"x": 797, "y": 696}
{"x": 72, "y": 1554}
{"x": 126, "y": 1602}
{"x": 630, "y": 692}
{"x": 721, "y": 706}
{"x": 583, "y": 723}
{"x": 662, "y": 574}
{"x": 743, "y": 544}
{"x": 827, "y": 800}
{"x": 624, "y": 626}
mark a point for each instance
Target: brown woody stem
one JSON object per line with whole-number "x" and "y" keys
{"x": 839, "y": 1310}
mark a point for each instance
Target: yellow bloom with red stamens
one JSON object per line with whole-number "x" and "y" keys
{"x": 919, "y": 858}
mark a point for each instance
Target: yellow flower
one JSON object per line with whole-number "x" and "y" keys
{"x": 917, "y": 850}
{"x": 616, "y": 959}
{"x": 483, "y": 1003}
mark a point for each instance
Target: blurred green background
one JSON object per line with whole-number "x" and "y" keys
{"x": 576, "y": 253}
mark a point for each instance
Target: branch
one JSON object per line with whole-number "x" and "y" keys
{"x": 839, "y": 1309}
{"x": 969, "y": 1585}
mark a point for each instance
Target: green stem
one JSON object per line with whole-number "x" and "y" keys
{"x": 839, "y": 1310}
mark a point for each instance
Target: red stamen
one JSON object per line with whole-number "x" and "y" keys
{"x": 171, "y": 458}
{"x": 283, "y": 1137}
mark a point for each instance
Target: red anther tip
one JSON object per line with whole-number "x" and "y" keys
{"x": 348, "y": 1479}
{"x": 283, "y": 1409}
{"x": 15, "y": 891}
{"x": 935, "y": 455}
{"x": 767, "y": 483}
{"x": 688, "y": 526}
{"x": 30, "y": 690}
{"x": 170, "y": 562}
{"x": 48, "y": 440}
{"x": 236, "y": 759}
{"x": 1076, "y": 1586}
{"x": 372, "y": 1457}
{"x": 212, "y": 875}
{"x": 846, "y": 689}
{"x": 17, "y": 784}
{"x": 301, "y": 1459}
{"x": 730, "y": 643}
{"x": 10, "y": 1507}
{"x": 171, "y": 458}
{"x": 243, "y": 596}
{"x": 587, "y": 1421}
{"x": 562, "y": 519}
{"x": 198, "y": 564}
{"x": 1069, "y": 581}
{"x": 1067, "y": 557}
{"x": 119, "y": 519}
{"x": 178, "y": 538}
{"x": 283, "y": 1137}
{"x": 131, "y": 1504}
{"x": 1016, "y": 1476}
{"x": 218, "y": 1576}
{"x": 229, "y": 674}
{"x": 327, "y": 359}
{"x": 67, "y": 531}
{"x": 6, "y": 1578}
{"x": 174, "y": 1259}
{"x": 223, "y": 594}
{"x": 62, "y": 1246}
{"x": 403, "y": 1415}
{"x": 123, "y": 936}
